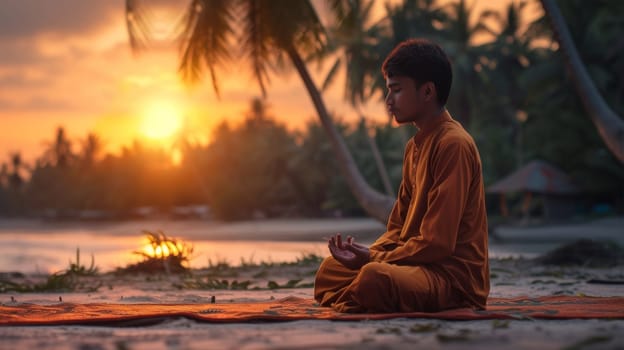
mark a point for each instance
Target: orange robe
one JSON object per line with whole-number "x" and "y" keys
{"x": 434, "y": 253}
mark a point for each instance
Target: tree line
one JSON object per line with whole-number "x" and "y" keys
{"x": 257, "y": 168}
{"x": 512, "y": 91}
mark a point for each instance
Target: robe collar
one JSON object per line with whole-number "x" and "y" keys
{"x": 430, "y": 126}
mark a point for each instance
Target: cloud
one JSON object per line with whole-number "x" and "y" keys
{"x": 25, "y": 18}
{"x": 17, "y": 80}
{"x": 35, "y": 103}
{"x": 19, "y": 53}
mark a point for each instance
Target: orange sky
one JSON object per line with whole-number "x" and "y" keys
{"x": 67, "y": 62}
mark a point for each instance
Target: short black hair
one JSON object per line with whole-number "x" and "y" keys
{"x": 423, "y": 61}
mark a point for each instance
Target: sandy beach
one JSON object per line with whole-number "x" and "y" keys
{"x": 510, "y": 277}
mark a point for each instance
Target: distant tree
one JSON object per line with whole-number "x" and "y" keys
{"x": 244, "y": 167}
{"x": 604, "y": 22}
{"x": 4, "y": 203}
{"x": 91, "y": 148}
{"x": 503, "y": 63}
{"x": 404, "y": 20}
{"x": 15, "y": 172}
{"x": 14, "y": 197}
{"x": 272, "y": 32}
{"x": 59, "y": 152}
{"x": 557, "y": 121}
{"x": 258, "y": 110}
{"x": 4, "y": 175}
{"x": 355, "y": 40}
{"x": 459, "y": 34}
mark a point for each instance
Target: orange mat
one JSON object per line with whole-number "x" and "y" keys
{"x": 290, "y": 309}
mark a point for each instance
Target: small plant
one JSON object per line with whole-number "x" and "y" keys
{"x": 162, "y": 254}
{"x": 424, "y": 328}
{"x": 80, "y": 270}
{"x": 67, "y": 280}
{"x": 290, "y": 284}
{"x": 9, "y": 286}
{"x": 306, "y": 259}
{"x": 211, "y": 283}
{"x": 219, "y": 264}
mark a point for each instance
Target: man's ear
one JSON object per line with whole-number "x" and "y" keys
{"x": 429, "y": 90}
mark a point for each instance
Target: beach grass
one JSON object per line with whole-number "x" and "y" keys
{"x": 167, "y": 262}
{"x": 164, "y": 254}
{"x": 167, "y": 268}
{"x": 65, "y": 280}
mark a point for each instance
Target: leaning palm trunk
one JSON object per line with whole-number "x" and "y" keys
{"x": 381, "y": 166}
{"x": 610, "y": 126}
{"x": 374, "y": 203}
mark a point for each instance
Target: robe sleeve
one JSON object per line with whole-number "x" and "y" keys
{"x": 452, "y": 172}
{"x": 396, "y": 220}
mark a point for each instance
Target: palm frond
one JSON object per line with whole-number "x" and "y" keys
{"x": 205, "y": 39}
{"x": 356, "y": 40}
{"x": 137, "y": 24}
{"x": 331, "y": 75}
{"x": 338, "y": 8}
{"x": 271, "y": 27}
{"x": 303, "y": 27}
{"x": 255, "y": 38}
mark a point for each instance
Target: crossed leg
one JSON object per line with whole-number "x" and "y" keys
{"x": 382, "y": 287}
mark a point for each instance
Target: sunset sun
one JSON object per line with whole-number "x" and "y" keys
{"x": 160, "y": 120}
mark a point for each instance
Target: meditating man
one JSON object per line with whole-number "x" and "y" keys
{"x": 434, "y": 253}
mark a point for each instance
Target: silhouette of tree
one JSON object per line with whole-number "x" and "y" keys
{"x": 271, "y": 33}
{"x": 59, "y": 152}
{"x": 610, "y": 126}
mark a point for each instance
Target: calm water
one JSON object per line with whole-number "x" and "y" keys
{"x": 49, "y": 247}
{"x": 44, "y": 252}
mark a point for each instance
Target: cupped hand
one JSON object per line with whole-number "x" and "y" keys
{"x": 350, "y": 254}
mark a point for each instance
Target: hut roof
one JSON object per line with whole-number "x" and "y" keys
{"x": 537, "y": 177}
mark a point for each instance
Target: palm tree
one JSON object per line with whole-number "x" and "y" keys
{"x": 356, "y": 43}
{"x": 258, "y": 110}
{"x": 459, "y": 36}
{"x": 91, "y": 148}
{"x": 511, "y": 52}
{"x": 15, "y": 178}
{"x": 271, "y": 32}
{"x": 59, "y": 152}
{"x": 4, "y": 175}
{"x": 506, "y": 60}
{"x": 14, "y": 173}
{"x": 405, "y": 20}
{"x": 414, "y": 18}
{"x": 610, "y": 126}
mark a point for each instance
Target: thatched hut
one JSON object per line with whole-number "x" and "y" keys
{"x": 539, "y": 178}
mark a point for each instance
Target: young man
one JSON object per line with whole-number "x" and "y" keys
{"x": 434, "y": 254}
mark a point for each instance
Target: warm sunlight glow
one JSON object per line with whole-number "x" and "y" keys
{"x": 159, "y": 251}
{"x": 176, "y": 157}
{"x": 161, "y": 121}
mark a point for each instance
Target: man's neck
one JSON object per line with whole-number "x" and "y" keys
{"x": 429, "y": 117}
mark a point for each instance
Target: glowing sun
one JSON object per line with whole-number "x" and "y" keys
{"x": 161, "y": 120}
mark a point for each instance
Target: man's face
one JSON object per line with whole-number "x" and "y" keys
{"x": 404, "y": 99}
